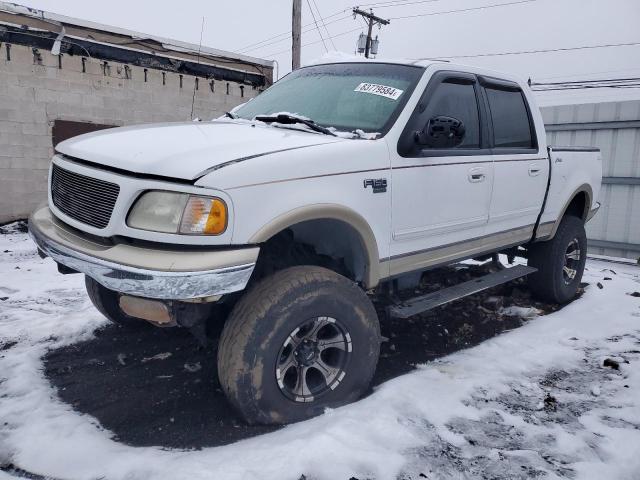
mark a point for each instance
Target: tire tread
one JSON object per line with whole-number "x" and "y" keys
{"x": 254, "y": 305}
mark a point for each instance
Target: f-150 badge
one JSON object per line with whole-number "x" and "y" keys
{"x": 379, "y": 185}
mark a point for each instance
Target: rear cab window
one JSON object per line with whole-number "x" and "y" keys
{"x": 510, "y": 118}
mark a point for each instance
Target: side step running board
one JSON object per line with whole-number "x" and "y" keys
{"x": 429, "y": 301}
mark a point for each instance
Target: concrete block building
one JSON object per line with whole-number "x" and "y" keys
{"x": 60, "y": 77}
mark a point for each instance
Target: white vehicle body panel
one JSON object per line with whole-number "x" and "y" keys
{"x": 571, "y": 171}
{"x": 184, "y": 150}
{"x": 266, "y": 188}
{"x": 520, "y": 183}
{"x": 462, "y": 210}
{"x": 130, "y": 189}
{"x": 265, "y": 173}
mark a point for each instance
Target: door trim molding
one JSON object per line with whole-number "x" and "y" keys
{"x": 440, "y": 228}
{"x": 435, "y": 256}
{"x": 514, "y": 214}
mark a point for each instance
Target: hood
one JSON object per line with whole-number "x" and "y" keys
{"x": 185, "y": 150}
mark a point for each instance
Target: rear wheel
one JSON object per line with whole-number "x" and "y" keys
{"x": 302, "y": 340}
{"x": 107, "y": 303}
{"x": 560, "y": 262}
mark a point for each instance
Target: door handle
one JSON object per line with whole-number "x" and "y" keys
{"x": 476, "y": 175}
{"x": 534, "y": 170}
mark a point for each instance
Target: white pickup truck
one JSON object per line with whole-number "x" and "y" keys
{"x": 380, "y": 172}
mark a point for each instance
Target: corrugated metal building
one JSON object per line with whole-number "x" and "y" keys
{"x": 614, "y": 127}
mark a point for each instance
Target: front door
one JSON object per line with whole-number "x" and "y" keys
{"x": 441, "y": 187}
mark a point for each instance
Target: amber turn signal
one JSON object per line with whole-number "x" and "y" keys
{"x": 204, "y": 215}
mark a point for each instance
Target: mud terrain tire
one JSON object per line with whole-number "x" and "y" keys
{"x": 560, "y": 262}
{"x": 281, "y": 312}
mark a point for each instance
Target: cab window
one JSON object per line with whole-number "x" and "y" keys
{"x": 510, "y": 117}
{"x": 457, "y": 101}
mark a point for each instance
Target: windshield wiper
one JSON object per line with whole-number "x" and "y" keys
{"x": 230, "y": 115}
{"x": 285, "y": 119}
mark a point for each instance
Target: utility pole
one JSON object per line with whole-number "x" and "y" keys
{"x": 296, "y": 27}
{"x": 371, "y": 20}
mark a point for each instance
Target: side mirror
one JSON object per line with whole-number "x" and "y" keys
{"x": 441, "y": 132}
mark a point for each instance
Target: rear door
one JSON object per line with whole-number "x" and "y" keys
{"x": 521, "y": 170}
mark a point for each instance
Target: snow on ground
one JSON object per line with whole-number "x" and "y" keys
{"x": 537, "y": 401}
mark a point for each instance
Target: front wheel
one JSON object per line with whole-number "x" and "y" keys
{"x": 560, "y": 262}
{"x": 302, "y": 340}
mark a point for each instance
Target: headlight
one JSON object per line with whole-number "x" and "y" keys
{"x": 204, "y": 215}
{"x": 171, "y": 212}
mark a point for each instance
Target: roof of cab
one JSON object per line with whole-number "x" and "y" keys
{"x": 337, "y": 57}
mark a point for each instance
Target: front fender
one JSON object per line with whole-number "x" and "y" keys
{"x": 332, "y": 212}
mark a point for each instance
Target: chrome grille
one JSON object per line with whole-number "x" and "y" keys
{"x": 85, "y": 199}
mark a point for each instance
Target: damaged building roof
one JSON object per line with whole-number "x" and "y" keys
{"x": 59, "y": 33}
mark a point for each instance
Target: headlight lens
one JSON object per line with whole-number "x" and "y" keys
{"x": 158, "y": 211}
{"x": 204, "y": 215}
{"x": 171, "y": 212}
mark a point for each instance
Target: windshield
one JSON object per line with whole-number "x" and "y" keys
{"x": 346, "y": 96}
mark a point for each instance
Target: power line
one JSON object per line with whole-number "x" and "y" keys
{"x": 629, "y": 82}
{"x": 289, "y": 32}
{"x": 313, "y": 43}
{"x": 394, "y": 18}
{"x": 591, "y": 73}
{"x": 484, "y": 7}
{"x": 313, "y": 15}
{"x": 523, "y": 52}
{"x": 395, "y": 3}
{"x": 286, "y": 39}
{"x": 248, "y": 47}
{"x": 389, "y": 3}
{"x": 276, "y": 38}
{"x": 398, "y": 3}
{"x": 582, "y": 82}
{"x": 324, "y": 24}
{"x": 586, "y": 87}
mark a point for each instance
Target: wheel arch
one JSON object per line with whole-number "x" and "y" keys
{"x": 579, "y": 205}
{"x": 331, "y": 228}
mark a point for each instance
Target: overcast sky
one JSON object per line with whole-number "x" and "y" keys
{"x": 524, "y": 26}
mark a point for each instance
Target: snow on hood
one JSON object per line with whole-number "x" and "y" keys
{"x": 185, "y": 150}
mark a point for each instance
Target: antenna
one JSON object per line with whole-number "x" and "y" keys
{"x": 195, "y": 82}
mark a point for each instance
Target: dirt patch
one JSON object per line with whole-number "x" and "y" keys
{"x": 168, "y": 402}
{"x": 19, "y": 226}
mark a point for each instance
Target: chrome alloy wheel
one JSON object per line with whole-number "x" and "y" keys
{"x": 313, "y": 359}
{"x": 571, "y": 261}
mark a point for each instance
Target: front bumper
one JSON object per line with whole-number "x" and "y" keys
{"x": 144, "y": 272}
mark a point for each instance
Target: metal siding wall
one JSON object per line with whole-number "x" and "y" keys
{"x": 619, "y": 217}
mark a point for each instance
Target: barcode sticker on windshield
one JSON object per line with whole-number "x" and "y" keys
{"x": 382, "y": 90}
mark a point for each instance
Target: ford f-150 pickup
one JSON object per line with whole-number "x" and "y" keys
{"x": 283, "y": 216}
